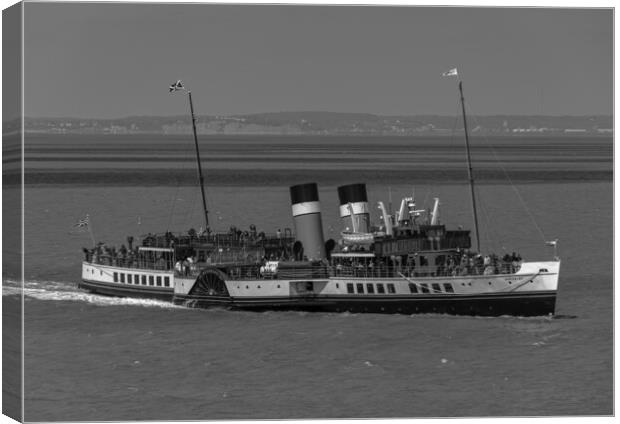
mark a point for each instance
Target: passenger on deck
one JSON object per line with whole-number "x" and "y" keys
{"x": 479, "y": 264}
{"x": 192, "y": 263}
{"x": 161, "y": 263}
{"x": 186, "y": 267}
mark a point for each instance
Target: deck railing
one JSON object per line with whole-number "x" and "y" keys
{"x": 128, "y": 262}
{"x": 302, "y": 272}
{"x": 224, "y": 240}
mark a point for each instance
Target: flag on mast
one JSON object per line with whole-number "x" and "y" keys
{"x": 81, "y": 226}
{"x": 176, "y": 86}
{"x": 82, "y": 223}
{"x": 452, "y": 72}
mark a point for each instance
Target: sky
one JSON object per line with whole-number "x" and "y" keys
{"x": 110, "y": 60}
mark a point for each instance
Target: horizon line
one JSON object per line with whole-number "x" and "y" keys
{"x": 320, "y": 111}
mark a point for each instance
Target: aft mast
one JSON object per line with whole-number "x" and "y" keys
{"x": 179, "y": 86}
{"x": 469, "y": 169}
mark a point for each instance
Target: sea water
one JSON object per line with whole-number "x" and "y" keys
{"x": 91, "y": 357}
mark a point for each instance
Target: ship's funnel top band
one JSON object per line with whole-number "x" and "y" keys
{"x": 304, "y": 193}
{"x": 358, "y": 208}
{"x": 306, "y": 208}
{"x": 352, "y": 193}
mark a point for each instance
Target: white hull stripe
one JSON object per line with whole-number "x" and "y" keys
{"x": 358, "y": 207}
{"x": 306, "y": 208}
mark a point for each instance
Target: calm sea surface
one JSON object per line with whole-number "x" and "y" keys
{"x": 91, "y": 357}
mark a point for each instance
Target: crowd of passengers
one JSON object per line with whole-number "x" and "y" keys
{"x": 126, "y": 257}
{"x": 460, "y": 263}
{"x": 130, "y": 257}
{"x": 233, "y": 236}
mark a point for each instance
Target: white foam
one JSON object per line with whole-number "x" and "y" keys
{"x": 64, "y": 291}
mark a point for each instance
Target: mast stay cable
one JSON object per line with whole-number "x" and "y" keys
{"x": 515, "y": 189}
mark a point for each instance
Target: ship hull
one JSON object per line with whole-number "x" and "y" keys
{"x": 118, "y": 281}
{"x": 517, "y": 304}
{"x": 107, "y": 289}
{"x": 529, "y": 292}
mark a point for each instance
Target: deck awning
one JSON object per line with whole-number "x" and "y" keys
{"x": 155, "y": 249}
{"x": 353, "y": 255}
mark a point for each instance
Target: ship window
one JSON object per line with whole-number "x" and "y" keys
{"x": 122, "y": 277}
{"x": 543, "y": 270}
{"x": 151, "y": 280}
{"x": 423, "y": 261}
{"x": 159, "y": 280}
{"x": 350, "y": 288}
{"x": 309, "y": 286}
{"x": 448, "y": 288}
{"x": 370, "y": 288}
{"x": 144, "y": 280}
{"x": 424, "y": 288}
{"x": 413, "y": 288}
{"x": 129, "y": 281}
{"x": 167, "y": 281}
{"x": 201, "y": 256}
{"x": 436, "y": 287}
{"x": 337, "y": 286}
{"x": 390, "y": 288}
{"x": 116, "y": 277}
{"x": 380, "y": 288}
{"x": 360, "y": 288}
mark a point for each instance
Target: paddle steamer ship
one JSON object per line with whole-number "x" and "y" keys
{"x": 410, "y": 263}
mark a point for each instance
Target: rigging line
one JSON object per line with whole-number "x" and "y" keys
{"x": 487, "y": 228}
{"x": 501, "y": 164}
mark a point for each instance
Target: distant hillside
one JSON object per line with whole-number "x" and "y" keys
{"x": 320, "y": 123}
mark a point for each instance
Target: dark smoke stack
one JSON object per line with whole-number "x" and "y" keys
{"x": 353, "y": 198}
{"x": 307, "y": 218}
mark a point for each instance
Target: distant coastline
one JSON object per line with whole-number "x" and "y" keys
{"x": 321, "y": 123}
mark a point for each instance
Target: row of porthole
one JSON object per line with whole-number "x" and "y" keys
{"x": 92, "y": 271}
{"x": 490, "y": 283}
{"x": 258, "y": 287}
{"x": 152, "y": 281}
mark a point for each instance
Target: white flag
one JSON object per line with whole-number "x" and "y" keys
{"x": 450, "y": 73}
{"x": 176, "y": 86}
